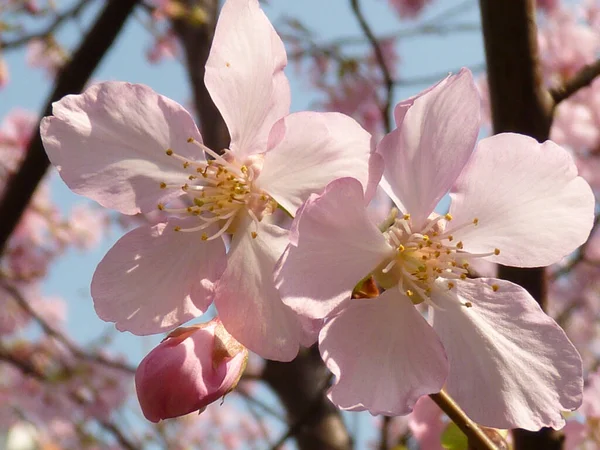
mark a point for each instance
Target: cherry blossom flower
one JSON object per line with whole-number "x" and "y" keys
{"x": 514, "y": 202}
{"x": 409, "y": 8}
{"x": 133, "y": 150}
{"x": 189, "y": 370}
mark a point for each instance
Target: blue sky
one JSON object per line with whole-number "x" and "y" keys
{"x": 71, "y": 276}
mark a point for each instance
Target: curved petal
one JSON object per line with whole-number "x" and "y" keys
{"x": 510, "y": 364}
{"x": 527, "y": 198}
{"x": 316, "y": 149}
{"x": 335, "y": 245}
{"x": 155, "y": 278}
{"x": 244, "y": 75}
{"x": 248, "y": 303}
{"x": 435, "y": 135}
{"x": 109, "y": 144}
{"x": 383, "y": 354}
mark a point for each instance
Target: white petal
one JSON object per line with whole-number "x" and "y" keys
{"x": 527, "y": 198}
{"x": 384, "y": 355}
{"x": 511, "y": 365}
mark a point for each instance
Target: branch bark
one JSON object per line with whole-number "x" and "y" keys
{"x": 301, "y": 385}
{"x": 520, "y": 103}
{"x": 70, "y": 80}
{"x": 580, "y": 80}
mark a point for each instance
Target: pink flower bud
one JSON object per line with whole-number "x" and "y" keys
{"x": 190, "y": 369}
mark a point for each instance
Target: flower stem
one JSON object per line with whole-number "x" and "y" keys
{"x": 478, "y": 440}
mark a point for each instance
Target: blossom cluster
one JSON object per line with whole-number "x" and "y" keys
{"x": 428, "y": 326}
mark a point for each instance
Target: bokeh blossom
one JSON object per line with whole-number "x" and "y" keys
{"x": 514, "y": 202}
{"x": 133, "y": 150}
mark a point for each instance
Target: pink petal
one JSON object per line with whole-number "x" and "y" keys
{"x": 511, "y": 365}
{"x": 335, "y": 245}
{"x": 383, "y": 354}
{"x": 436, "y": 134}
{"x": 155, "y": 278}
{"x": 244, "y": 75}
{"x": 316, "y": 149}
{"x": 109, "y": 144}
{"x": 248, "y": 303}
{"x": 528, "y": 198}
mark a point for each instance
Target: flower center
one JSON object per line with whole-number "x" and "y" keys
{"x": 424, "y": 256}
{"x": 218, "y": 189}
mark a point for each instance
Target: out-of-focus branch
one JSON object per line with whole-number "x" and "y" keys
{"x": 520, "y": 103}
{"x": 71, "y": 79}
{"x": 56, "y": 334}
{"x": 384, "y": 433}
{"x": 478, "y": 440}
{"x": 386, "y": 105}
{"x": 70, "y": 13}
{"x": 580, "y": 80}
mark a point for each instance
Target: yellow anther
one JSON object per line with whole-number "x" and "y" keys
{"x": 190, "y": 139}
{"x": 468, "y": 304}
{"x": 244, "y": 169}
{"x": 448, "y": 217}
{"x": 475, "y": 221}
{"x": 409, "y": 293}
{"x": 185, "y": 187}
{"x": 186, "y": 165}
{"x": 192, "y": 177}
{"x": 428, "y": 291}
{"x": 450, "y": 238}
{"x": 426, "y": 238}
{"x": 204, "y": 237}
{"x": 406, "y": 216}
{"x": 459, "y": 245}
{"x": 450, "y": 284}
{"x": 434, "y": 234}
{"x": 424, "y": 257}
{"x": 254, "y": 234}
{"x": 263, "y": 197}
{"x": 198, "y": 202}
{"x": 169, "y": 152}
{"x": 422, "y": 269}
{"x": 160, "y": 206}
{"x": 190, "y": 209}
{"x": 437, "y": 254}
{"x": 163, "y": 185}
{"x": 463, "y": 276}
{"x": 227, "y": 64}
{"x": 177, "y": 228}
{"x": 495, "y": 287}
{"x": 401, "y": 248}
{"x": 496, "y": 251}
{"x": 465, "y": 265}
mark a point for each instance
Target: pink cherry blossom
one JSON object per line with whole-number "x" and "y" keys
{"x": 133, "y": 150}
{"x": 514, "y": 202}
{"x": 4, "y": 75}
{"x": 409, "y": 8}
{"x": 189, "y": 370}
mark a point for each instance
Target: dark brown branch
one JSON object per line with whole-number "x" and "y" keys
{"x": 580, "y": 80}
{"x": 478, "y": 440}
{"x": 71, "y": 79}
{"x": 301, "y": 385}
{"x": 197, "y": 40}
{"x": 386, "y": 106}
{"x": 520, "y": 103}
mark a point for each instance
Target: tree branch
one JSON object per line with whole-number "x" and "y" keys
{"x": 520, "y": 103}
{"x": 581, "y": 79}
{"x": 386, "y": 106}
{"x": 71, "y": 79}
{"x": 478, "y": 440}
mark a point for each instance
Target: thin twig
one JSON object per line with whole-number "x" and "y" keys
{"x": 581, "y": 79}
{"x": 53, "y": 332}
{"x": 385, "y": 71}
{"x": 477, "y": 438}
{"x": 72, "y": 12}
